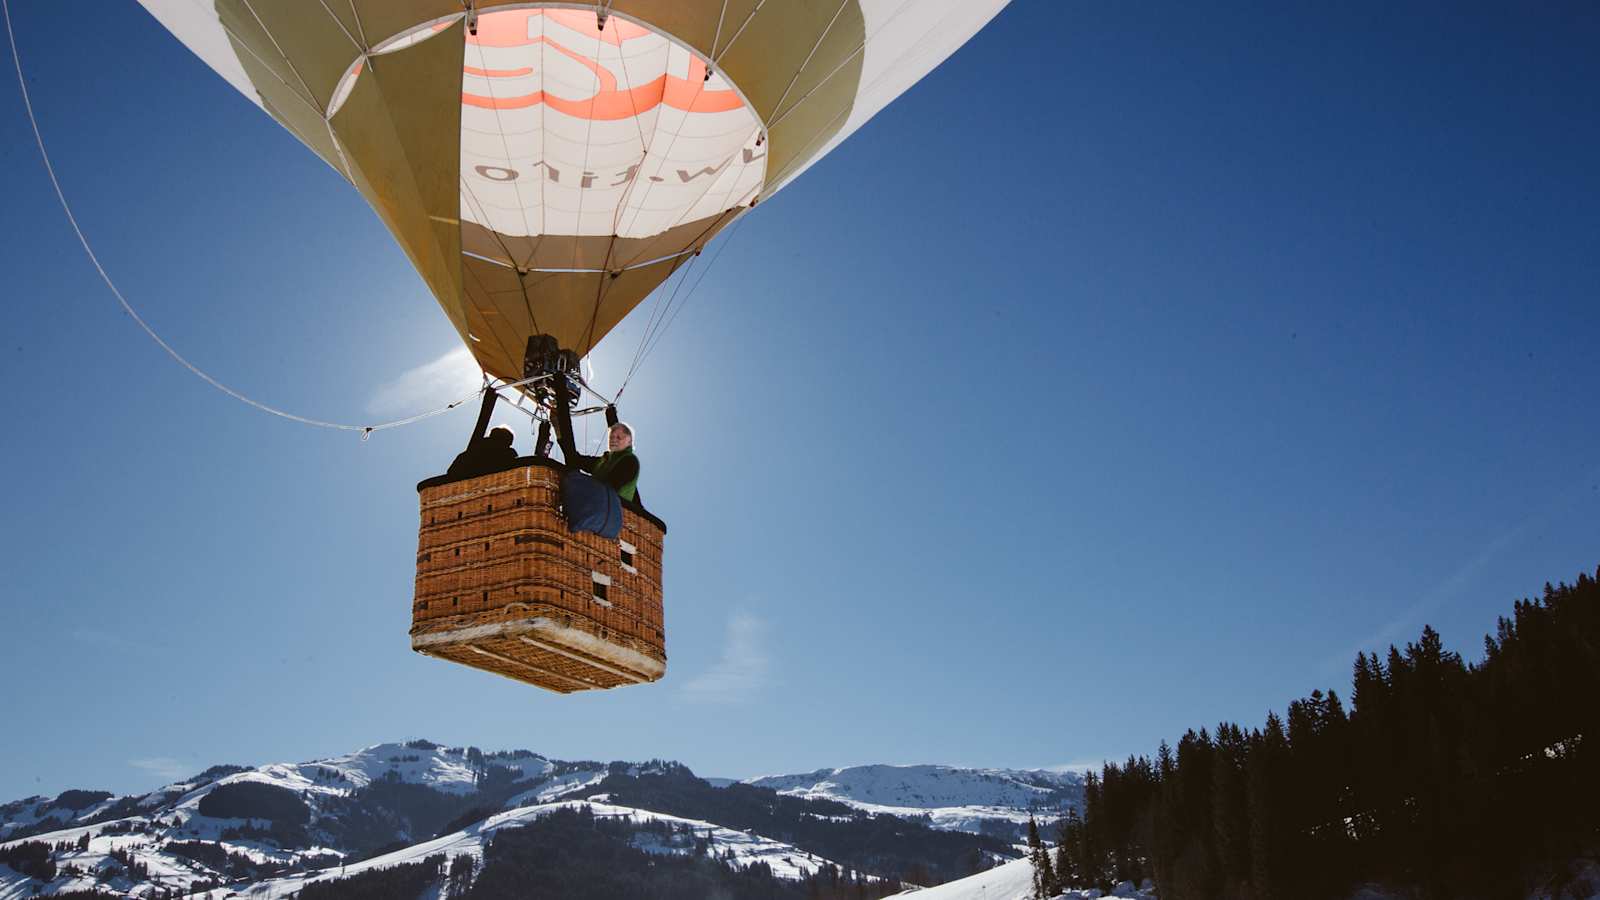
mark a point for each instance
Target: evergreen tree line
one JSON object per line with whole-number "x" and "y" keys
{"x": 122, "y": 807}
{"x": 224, "y": 862}
{"x": 32, "y": 858}
{"x": 1449, "y": 779}
{"x": 255, "y": 800}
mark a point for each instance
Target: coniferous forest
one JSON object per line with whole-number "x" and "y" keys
{"x": 1440, "y": 778}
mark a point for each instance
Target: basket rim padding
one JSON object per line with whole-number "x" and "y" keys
{"x": 523, "y": 462}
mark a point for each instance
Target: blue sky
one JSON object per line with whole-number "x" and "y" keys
{"x": 1128, "y": 374}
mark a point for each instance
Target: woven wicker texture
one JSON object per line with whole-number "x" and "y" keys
{"x": 503, "y": 586}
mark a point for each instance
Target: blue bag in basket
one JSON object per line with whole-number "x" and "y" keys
{"x": 590, "y": 505}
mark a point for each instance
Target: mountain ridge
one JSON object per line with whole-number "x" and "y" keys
{"x": 420, "y": 807}
{"x": 979, "y": 800}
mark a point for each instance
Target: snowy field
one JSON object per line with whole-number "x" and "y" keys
{"x": 1011, "y": 881}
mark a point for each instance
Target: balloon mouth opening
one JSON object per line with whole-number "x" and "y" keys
{"x": 498, "y": 28}
{"x": 404, "y": 39}
{"x": 576, "y": 125}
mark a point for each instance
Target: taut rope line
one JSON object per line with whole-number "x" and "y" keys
{"x": 50, "y": 169}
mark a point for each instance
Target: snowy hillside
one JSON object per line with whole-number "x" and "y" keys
{"x": 270, "y": 830}
{"x": 786, "y": 861}
{"x": 420, "y": 762}
{"x": 1011, "y": 881}
{"x": 952, "y": 798}
{"x": 200, "y": 832}
{"x": 167, "y": 871}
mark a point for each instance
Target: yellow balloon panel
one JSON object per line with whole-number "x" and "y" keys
{"x": 549, "y": 166}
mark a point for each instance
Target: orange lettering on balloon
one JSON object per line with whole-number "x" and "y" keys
{"x": 514, "y": 28}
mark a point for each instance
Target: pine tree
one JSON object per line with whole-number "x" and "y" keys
{"x": 1069, "y": 837}
{"x": 1091, "y": 845}
{"x": 1449, "y": 779}
{"x": 1163, "y": 846}
{"x": 1268, "y": 793}
{"x": 1230, "y": 807}
{"x": 1047, "y": 876}
{"x": 1039, "y": 858}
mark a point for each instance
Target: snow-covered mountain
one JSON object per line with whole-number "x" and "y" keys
{"x": 230, "y": 823}
{"x": 86, "y": 868}
{"x": 451, "y": 770}
{"x": 977, "y": 800}
{"x": 786, "y": 861}
{"x": 271, "y": 830}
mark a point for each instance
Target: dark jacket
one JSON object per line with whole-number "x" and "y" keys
{"x": 481, "y": 457}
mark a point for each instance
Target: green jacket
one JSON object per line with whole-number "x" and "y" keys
{"x": 620, "y": 469}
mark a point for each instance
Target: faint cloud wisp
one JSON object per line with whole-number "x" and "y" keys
{"x": 114, "y": 642}
{"x": 164, "y": 766}
{"x": 742, "y": 672}
{"x": 1457, "y": 582}
{"x": 444, "y": 380}
{"x": 1080, "y": 767}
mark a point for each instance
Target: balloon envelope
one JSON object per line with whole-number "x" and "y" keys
{"x": 544, "y": 166}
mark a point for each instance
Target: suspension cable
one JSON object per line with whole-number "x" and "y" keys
{"x": 661, "y": 331}
{"x": 665, "y": 314}
{"x": 657, "y": 315}
{"x": 55, "y": 182}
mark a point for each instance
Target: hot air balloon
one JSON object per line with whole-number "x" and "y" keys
{"x": 545, "y": 166}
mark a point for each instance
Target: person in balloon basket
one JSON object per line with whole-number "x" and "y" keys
{"x": 489, "y": 453}
{"x": 618, "y": 467}
{"x": 594, "y": 488}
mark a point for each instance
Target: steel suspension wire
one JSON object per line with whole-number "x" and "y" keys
{"x": 683, "y": 264}
{"x": 609, "y": 401}
{"x": 668, "y": 312}
{"x": 657, "y": 315}
{"x": 732, "y": 231}
{"x": 55, "y": 182}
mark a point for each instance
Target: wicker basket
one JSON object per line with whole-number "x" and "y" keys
{"x": 503, "y": 586}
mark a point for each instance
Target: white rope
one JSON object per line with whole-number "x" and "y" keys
{"x": 27, "y": 103}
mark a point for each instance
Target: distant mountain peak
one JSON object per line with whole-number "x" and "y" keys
{"x": 951, "y": 797}
{"x": 272, "y": 829}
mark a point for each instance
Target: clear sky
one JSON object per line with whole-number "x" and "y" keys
{"x": 1130, "y": 373}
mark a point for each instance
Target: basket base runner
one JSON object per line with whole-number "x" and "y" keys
{"x": 538, "y": 649}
